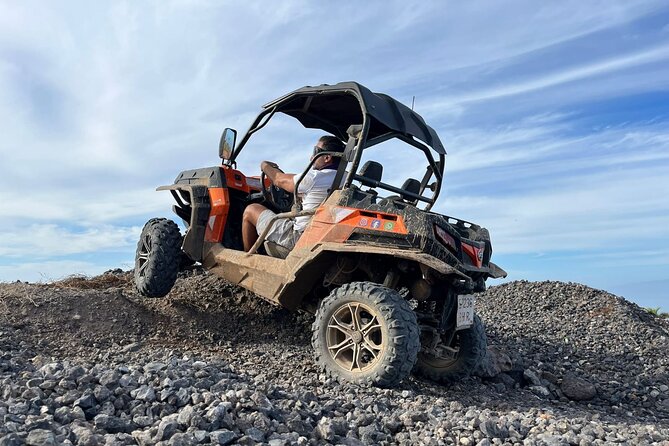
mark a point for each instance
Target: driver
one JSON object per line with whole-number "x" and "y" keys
{"x": 313, "y": 190}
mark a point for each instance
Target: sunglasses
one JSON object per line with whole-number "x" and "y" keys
{"x": 318, "y": 150}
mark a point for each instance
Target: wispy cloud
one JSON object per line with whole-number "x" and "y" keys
{"x": 39, "y": 241}
{"x": 607, "y": 210}
{"x": 530, "y": 149}
{"x": 553, "y": 79}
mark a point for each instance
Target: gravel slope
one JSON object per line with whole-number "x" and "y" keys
{"x": 91, "y": 362}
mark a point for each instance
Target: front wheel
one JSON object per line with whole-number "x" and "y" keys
{"x": 451, "y": 363}
{"x": 158, "y": 257}
{"x": 366, "y": 333}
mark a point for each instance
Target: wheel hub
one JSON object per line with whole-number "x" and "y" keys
{"x": 354, "y": 337}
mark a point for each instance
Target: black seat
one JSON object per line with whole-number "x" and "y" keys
{"x": 410, "y": 185}
{"x": 370, "y": 176}
{"x": 370, "y": 173}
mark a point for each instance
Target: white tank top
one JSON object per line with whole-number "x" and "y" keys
{"x": 314, "y": 190}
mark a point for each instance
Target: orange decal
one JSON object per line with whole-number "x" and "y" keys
{"x": 220, "y": 205}
{"x": 378, "y": 221}
{"x": 336, "y": 224}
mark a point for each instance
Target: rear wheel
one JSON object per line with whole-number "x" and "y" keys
{"x": 158, "y": 257}
{"x": 366, "y": 333}
{"x": 447, "y": 364}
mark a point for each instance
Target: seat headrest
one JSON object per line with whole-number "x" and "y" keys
{"x": 411, "y": 185}
{"x": 372, "y": 171}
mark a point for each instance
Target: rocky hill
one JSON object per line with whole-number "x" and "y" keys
{"x": 89, "y": 361}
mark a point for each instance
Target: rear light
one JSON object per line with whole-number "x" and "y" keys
{"x": 445, "y": 238}
{"x": 475, "y": 253}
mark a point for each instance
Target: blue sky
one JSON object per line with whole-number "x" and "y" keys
{"x": 555, "y": 117}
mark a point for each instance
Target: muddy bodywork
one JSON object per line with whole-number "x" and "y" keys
{"x": 350, "y": 228}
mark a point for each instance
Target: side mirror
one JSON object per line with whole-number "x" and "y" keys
{"x": 227, "y": 144}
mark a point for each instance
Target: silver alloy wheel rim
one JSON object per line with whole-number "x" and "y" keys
{"x": 354, "y": 337}
{"x": 143, "y": 254}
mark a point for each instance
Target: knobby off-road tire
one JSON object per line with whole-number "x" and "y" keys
{"x": 472, "y": 345}
{"x": 366, "y": 333}
{"x": 158, "y": 257}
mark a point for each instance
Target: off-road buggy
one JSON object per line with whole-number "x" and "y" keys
{"x": 390, "y": 284}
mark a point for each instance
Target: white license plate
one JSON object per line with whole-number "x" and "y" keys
{"x": 465, "y": 315}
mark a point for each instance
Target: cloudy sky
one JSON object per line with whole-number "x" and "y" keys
{"x": 555, "y": 116}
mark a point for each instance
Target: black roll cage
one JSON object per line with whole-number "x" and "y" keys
{"x": 361, "y": 143}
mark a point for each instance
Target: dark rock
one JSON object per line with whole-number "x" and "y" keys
{"x": 255, "y": 434}
{"x": 86, "y": 401}
{"x": 551, "y": 378}
{"x": 144, "y": 393}
{"x": 540, "y": 391}
{"x": 41, "y": 437}
{"x": 74, "y": 373}
{"x": 577, "y": 389}
{"x": 35, "y": 382}
{"x": 133, "y": 347}
{"x": 348, "y": 441}
{"x": 325, "y": 429}
{"x": 143, "y": 438}
{"x": 91, "y": 412}
{"x": 493, "y": 429}
{"x": 12, "y": 439}
{"x": 532, "y": 377}
{"x": 182, "y": 439}
{"x": 370, "y": 434}
{"x": 494, "y": 362}
{"x": 102, "y": 393}
{"x": 90, "y": 439}
{"x": 109, "y": 378}
{"x": 262, "y": 402}
{"x": 113, "y": 424}
{"x": 185, "y": 415}
{"x": 33, "y": 422}
{"x": 166, "y": 428}
{"x": 222, "y": 437}
{"x": 517, "y": 375}
{"x": 153, "y": 367}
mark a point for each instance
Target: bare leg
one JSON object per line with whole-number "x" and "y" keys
{"x": 249, "y": 223}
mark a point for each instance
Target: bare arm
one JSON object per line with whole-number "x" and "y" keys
{"x": 283, "y": 180}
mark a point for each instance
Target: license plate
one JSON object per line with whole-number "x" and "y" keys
{"x": 465, "y": 315}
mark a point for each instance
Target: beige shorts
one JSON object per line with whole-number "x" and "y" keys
{"x": 282, "y": 233}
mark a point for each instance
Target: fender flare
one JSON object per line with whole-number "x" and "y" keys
{"x": 306, "y": 270}
{"x": 193, "y": 244}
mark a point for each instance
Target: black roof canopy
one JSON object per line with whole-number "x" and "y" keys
{"x": 334, "y": 108}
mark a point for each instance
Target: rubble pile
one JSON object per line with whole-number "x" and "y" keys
{"x": 89, "y": 361}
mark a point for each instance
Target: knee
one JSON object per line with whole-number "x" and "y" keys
{"x": 252, "y": 212}
{"x": 247, "y": 212}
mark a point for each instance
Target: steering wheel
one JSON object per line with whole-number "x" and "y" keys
{"x": 275, "y": 196}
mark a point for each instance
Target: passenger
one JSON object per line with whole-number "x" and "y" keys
{"x": 313, "y": 190}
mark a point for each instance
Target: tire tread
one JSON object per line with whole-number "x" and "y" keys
{"x": 403, "y": 329}
{"x": 466, "y": 362}
{"x": 164, "y": 259}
